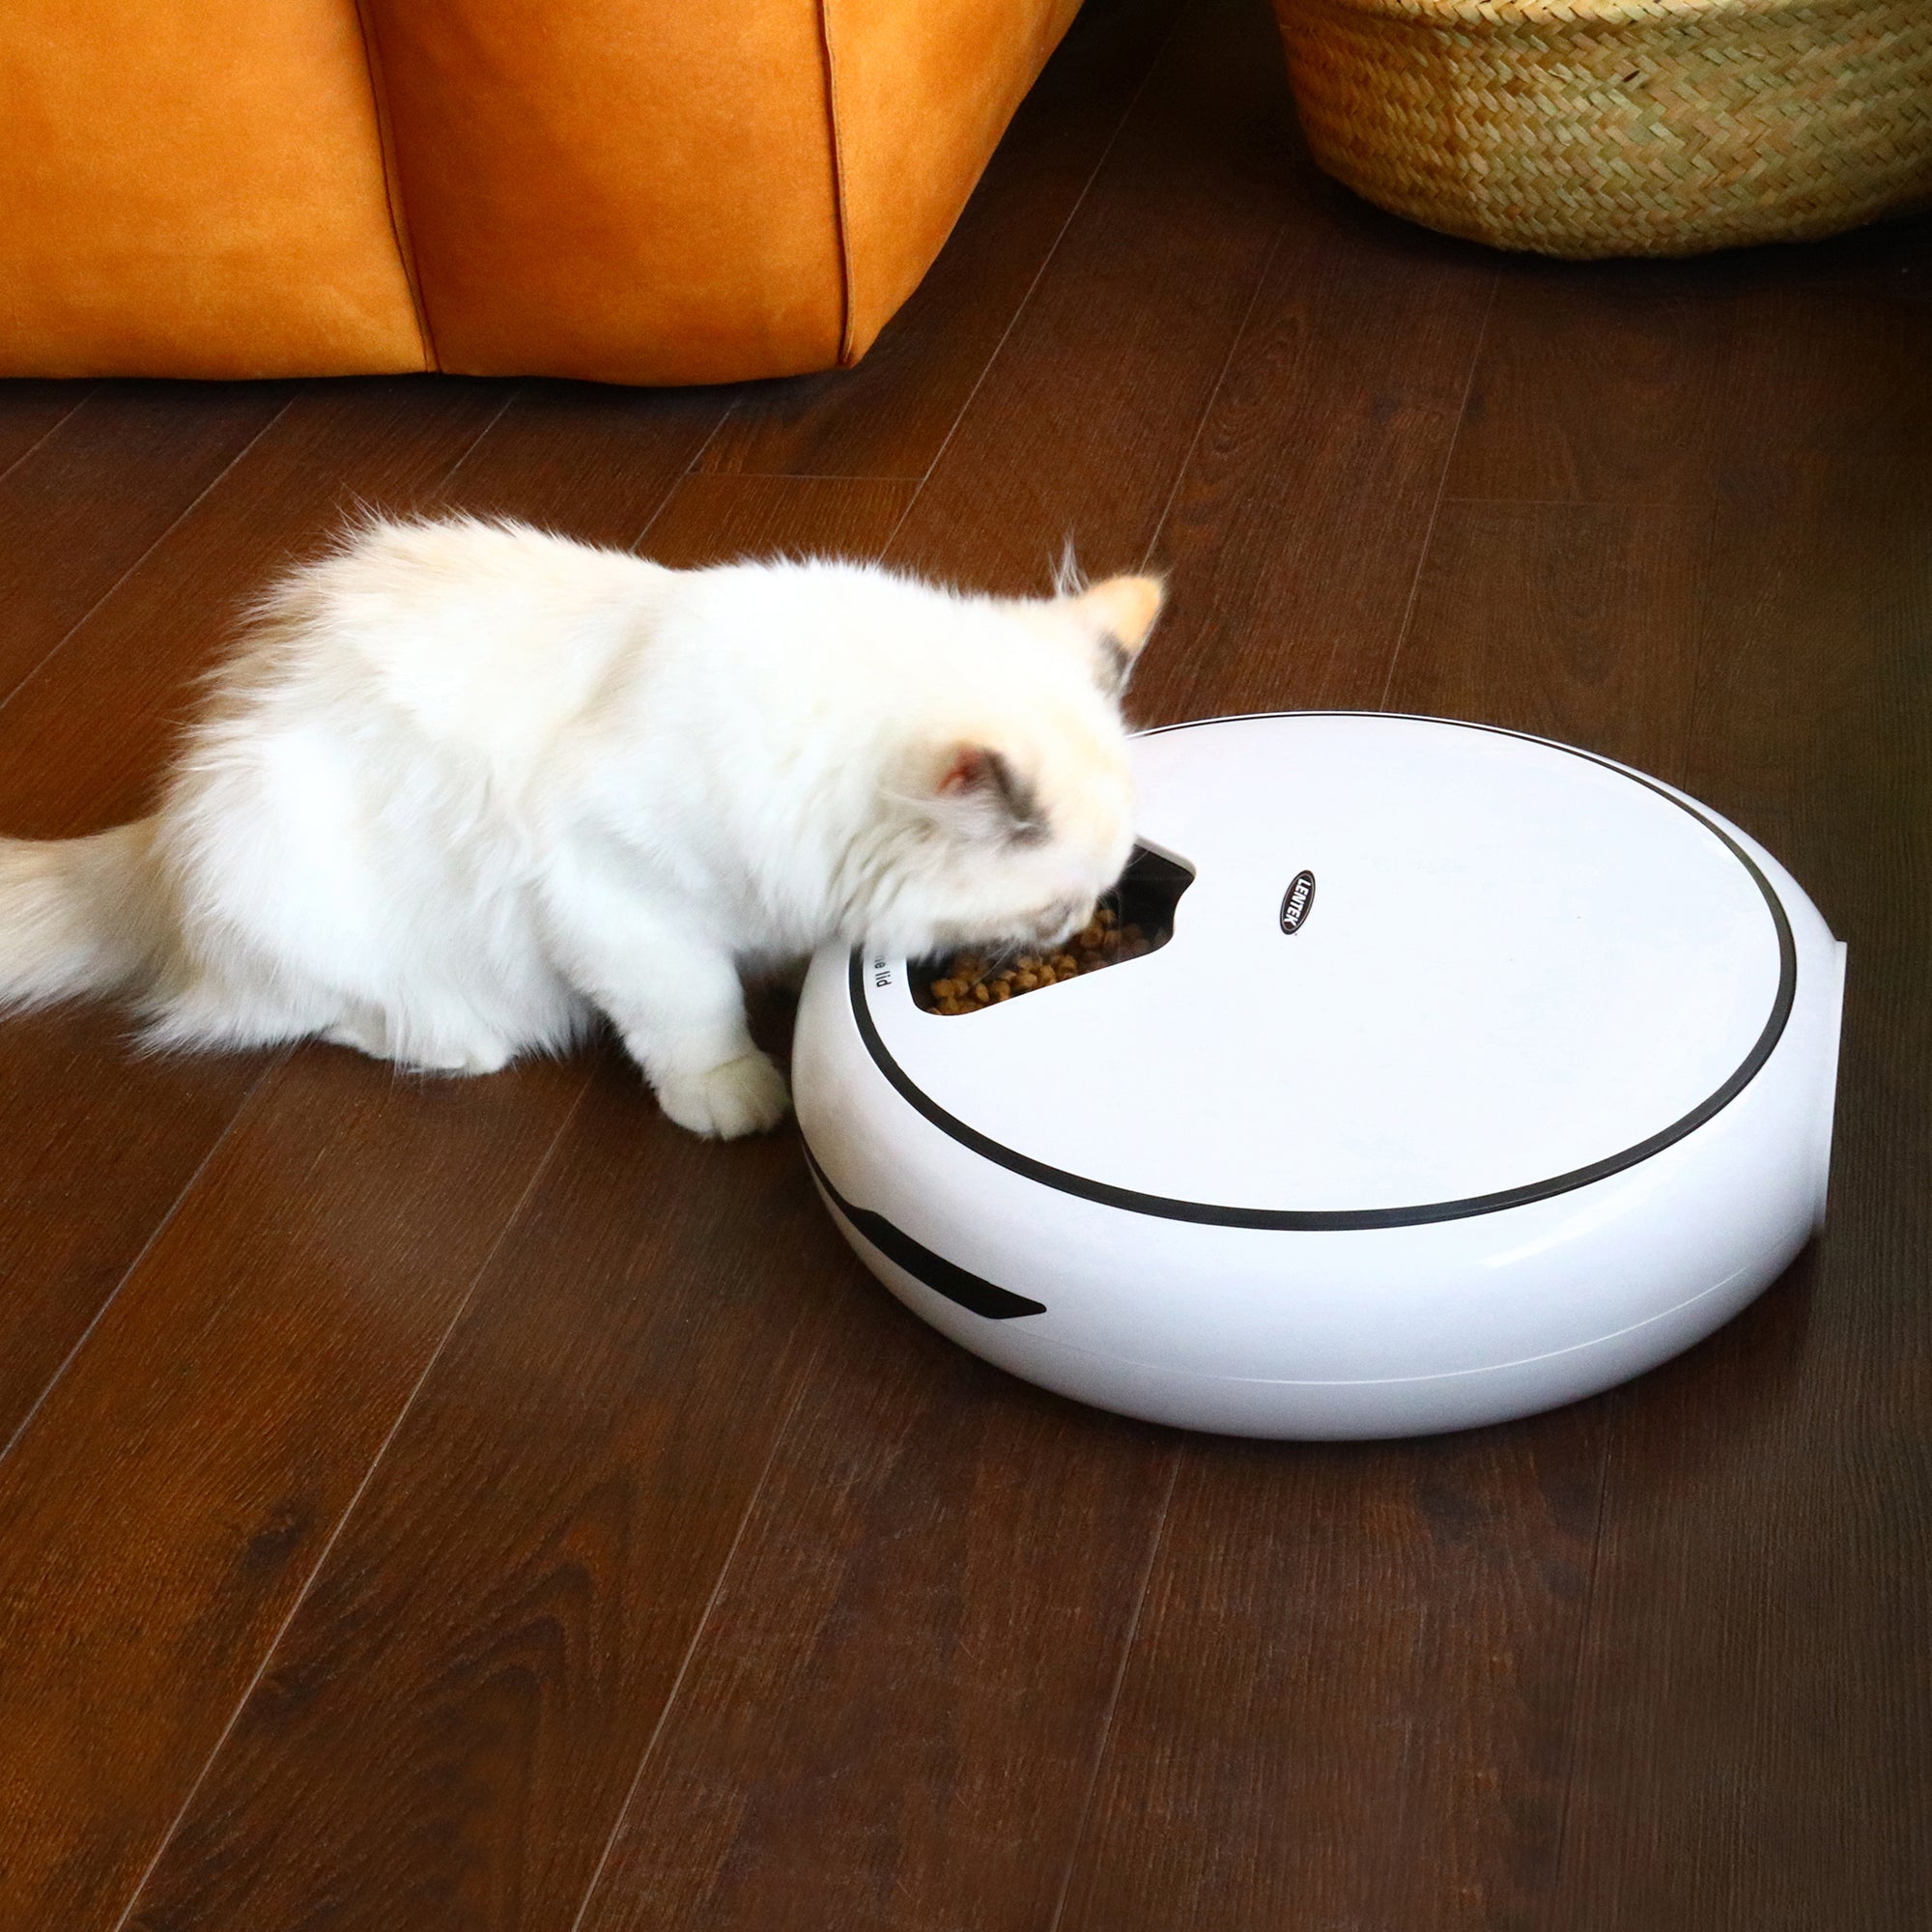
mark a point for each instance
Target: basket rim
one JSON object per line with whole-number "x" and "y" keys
{"x": 1576, "y": 12}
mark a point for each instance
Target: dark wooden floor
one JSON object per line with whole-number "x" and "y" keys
{"x": 477, "y": 1505}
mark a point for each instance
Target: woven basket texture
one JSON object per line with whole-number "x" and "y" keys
{"x": 1588, "y": 127}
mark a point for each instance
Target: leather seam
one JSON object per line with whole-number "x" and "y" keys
{"x": 847, "y": 306}
{"x": 393, "y": 183}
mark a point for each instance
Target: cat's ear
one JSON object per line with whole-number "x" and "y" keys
{"x": 976, "y": 789}
{"x": 1119, "y": 613}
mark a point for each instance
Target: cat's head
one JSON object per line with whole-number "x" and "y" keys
{"x": 1009, "y": 798}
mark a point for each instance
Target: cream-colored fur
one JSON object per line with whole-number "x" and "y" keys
{"x": 466, "y": 783}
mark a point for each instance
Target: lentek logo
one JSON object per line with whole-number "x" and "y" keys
{"x": 1296, "y": 901}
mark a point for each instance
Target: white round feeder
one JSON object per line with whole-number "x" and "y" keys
{"x": 1478, "y": 1074}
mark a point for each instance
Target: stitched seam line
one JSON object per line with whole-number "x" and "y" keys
{"x": 838, "y": 221}
{"x": 392, "y": 182}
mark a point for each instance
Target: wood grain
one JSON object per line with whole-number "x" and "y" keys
{"x": 1564, "y": 339}
{"x": 91, "y": 730}
{"x": 1087, "y": 412}
{"x": 65, "y": 540}
{"x": 589, "y": 463}
{"x": 1752, "y": 1743}
{"x": 30, "y": 411}
{"x": 97, "y": 1142}
{"x": 1349, "y": 1702}
{"x": 446, "y": 1732}
{"x": 722, "y": 519}
{"x": 167, "y": 1505}
{"x": 1576, "y": 621}
{"x": 892, "y": 1716}
{"x": 1299, "y": 525}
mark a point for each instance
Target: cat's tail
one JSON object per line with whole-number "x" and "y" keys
{"x": 80, "y": 914}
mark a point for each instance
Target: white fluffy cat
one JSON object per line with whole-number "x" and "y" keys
{"x": 466, "y": 782}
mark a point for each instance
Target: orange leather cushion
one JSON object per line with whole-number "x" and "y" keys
{"x": 635, "y": 191}
{"x": 924, "y": 90}
{"x": 650, "y": 190}
{"x": 629, "y": 190}
{"x": 194, "y": 188}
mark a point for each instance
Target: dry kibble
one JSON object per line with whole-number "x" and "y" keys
{"x": 969, "y": 982}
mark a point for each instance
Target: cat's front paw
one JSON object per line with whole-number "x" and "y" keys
{"x": 745, "y": 1096}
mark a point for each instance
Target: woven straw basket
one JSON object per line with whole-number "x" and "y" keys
{"x": 1620, "y": 127}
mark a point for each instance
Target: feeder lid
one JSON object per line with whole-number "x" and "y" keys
{"x": 1423, "y": 969}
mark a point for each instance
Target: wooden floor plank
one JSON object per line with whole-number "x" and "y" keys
{"x": 1297, "y": 529}
{"x": 722, "y": 519}
{"x": 96, "y": 1143}
{"x": 1566, "y": 335}
{"x": 445, "y": 1735}
{"x": 90, "y": 728}
{"x": 30, "y": 411}
{"x": 892, "y": 1714}
{"x": 99, "y": 491}
{"x": 451, "y": 1723}
{"x": 589, "y": 463}
{"x": 162, "y": 1513}
{"x": 1087, "y": 412}
{"x": 1594, "y": 640}
{"x": 892, "y": 414}
{"x": 1752, "y": 1743}
{"x": 1344, "y": 1706}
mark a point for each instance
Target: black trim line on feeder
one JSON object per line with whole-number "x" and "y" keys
{"x": 1357, "y": 1219}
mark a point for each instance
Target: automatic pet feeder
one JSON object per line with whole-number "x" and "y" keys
{"x": 1477, "y": 1074}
